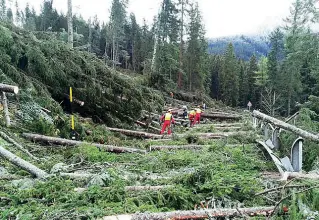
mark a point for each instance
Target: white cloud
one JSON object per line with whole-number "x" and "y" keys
{"x": 221, "y": 17}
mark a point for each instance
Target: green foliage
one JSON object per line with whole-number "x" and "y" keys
{"x": 229, "y": 78}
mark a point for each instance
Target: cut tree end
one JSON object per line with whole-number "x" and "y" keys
{"x": 16, "y": 90}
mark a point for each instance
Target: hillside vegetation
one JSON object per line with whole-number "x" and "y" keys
{"x": 245, "y": 46}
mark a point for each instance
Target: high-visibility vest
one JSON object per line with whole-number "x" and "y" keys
{"x": 198, "y": 111}
{"x": 168, "y": 116}
{"x": 192, "y": 113}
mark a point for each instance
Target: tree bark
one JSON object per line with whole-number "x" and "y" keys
{"x": 77, "y": 175}
{"x": 9, "y": 88}
{"x": 10, "y": 140}
{"x": 22, "y": 163}
{"x": 131, "y": 188}
{"x": 79, "y": 102}
{"x": 286, "y": 126}
{"x": 175, "y": 147}
{"x": 147, "y": 126}
{"x": 5, "y": 109}
{"x": 61, "y": 141}
{"x": 70, "y": 24}
{"x": 296, "y": 175}
{"x": 136, "y": 133}
{"x": 221, "y": 116}
{"x": 195, "y": 214}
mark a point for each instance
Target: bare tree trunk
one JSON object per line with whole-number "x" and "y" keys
{"x": 135, "y": 133}
{"x": 131, "y": 188}
{"x": 221, "y": 116}
{"x": 286, "y": 126}
{"x": 9, "y": 88}
{"x": 5, "y": 108}
{"x": 22, "y": 163}
{"x": 181, "y": 48}
{"x": 10, "y": 140}
{"x": 90, "y": 37}
{"x": 113, "y": 49}
{"x": 196, "y": 214}
{"x": 70, "y": 24}
{"x": 61, "y": 141}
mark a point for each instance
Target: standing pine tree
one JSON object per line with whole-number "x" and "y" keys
{"x": 275, "y": 56}
{"x": 229, "y": 78}
{"x": 70, "y": 24}
{"x": 243, "y": 83}
{"x": 251, "y": 77}
{"x": 196, "y": 51}
{"x": 302, "y": 14}
{"x": 117, "y": 23}
{"x": 3, "y": 10}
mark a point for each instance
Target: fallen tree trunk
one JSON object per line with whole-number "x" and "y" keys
{"x": 131, "y": 188}
{"x": 216, "y": 135}
{"x": 79, "y": 102}
{"x": 10, "y": 140}
{"x": 286, "y": 126}
{"x": 22, "y": 163}
{"x": 196, "y": 214}
{"x": 175, "y": 147}
{"x": 136, "y": 133}
{"x": 9, "y": 88}
{"x": 295, "y": 175}
{"x": 221, "y": 116}
{"x": 77, "y": 175}
{"x": 61, "y": 141}
{"x": 5, "y": 109}
{"x": 148, "y": 126}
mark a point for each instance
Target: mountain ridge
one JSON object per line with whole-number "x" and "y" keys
{"x": 245, "y": 45}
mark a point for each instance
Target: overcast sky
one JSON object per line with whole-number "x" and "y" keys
{"x": 221, "y": 17}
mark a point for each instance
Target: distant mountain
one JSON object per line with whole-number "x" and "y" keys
{"x": 245, "y": 46}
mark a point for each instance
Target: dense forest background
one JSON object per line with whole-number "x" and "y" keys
{"x": 276, "y": 74}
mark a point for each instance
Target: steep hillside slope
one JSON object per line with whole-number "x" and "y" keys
{"x": 245, "y": 46}
{"x": 44, "y": 68}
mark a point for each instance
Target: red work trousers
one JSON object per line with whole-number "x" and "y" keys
{"x": 167, "y": 124}
{"x": 192, "y": 121}
{"x": 197, "y": 118}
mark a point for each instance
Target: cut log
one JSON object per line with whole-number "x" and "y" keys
{"x": 22, "y": 163}
{"x": 6, "y": 110}
{"x": 131, "y": 188}
{"x": 216, "y": 135}
{"x": 79, "y": 102}
{"x": 221, "y": 116}
{"x": 61, "y": 141}
{"x": 77, "y": 175}
{"x": 292, "y": 117}
{"x": 10, "y": 140}
{"x": 196, "y": 214}
{"x": 176, "y": 147}
{"x": 136, "y": 133}
{"x": 295, "y": 175}
{"x": 286, "y": 126}
{"x": 147, "y": 126}
{"x": 9, "y": 88}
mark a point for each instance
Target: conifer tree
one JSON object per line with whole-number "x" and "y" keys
{"x": 251, "y": 77}
{"x": 229, "y": 78}
{"x": 196, "y": 51}
{"x": 70, "y": 24}
{"x": 117, "y": 22}
{"x": 3, "y": 10}
{"x": 275, "y": 57}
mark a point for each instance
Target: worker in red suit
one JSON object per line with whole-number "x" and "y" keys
{"x": 167, "y": 118}
{"x": 198, "y": 114}
{"x": 192, "y": 115}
